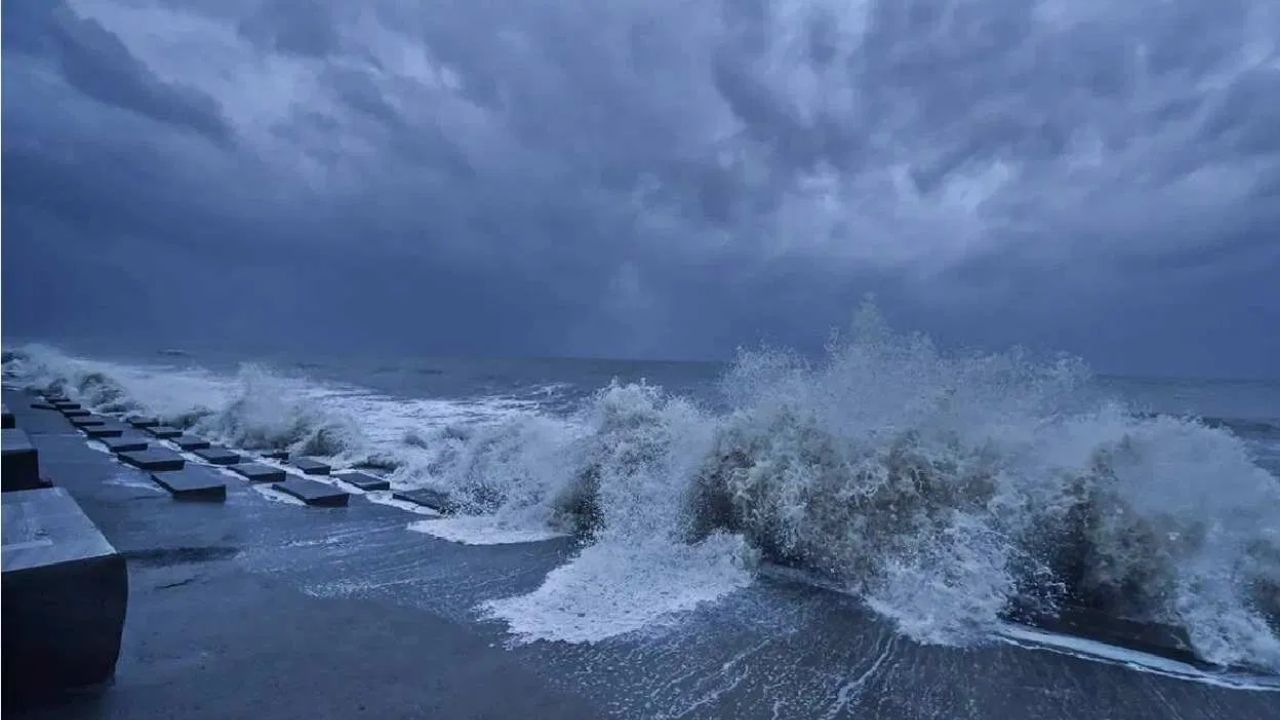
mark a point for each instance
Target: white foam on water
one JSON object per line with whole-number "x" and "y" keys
{"x": 614, "y": 588}
{"x": 383, "y": 497}
{"x": 483, "y": 530}
{"x": 1032, "y": 638}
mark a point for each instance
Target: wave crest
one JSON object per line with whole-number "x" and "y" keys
{"x": 950, "y": 492}
{"x": 264, "y": 412}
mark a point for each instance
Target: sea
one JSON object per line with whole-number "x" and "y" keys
{"x": 950, "y": 494}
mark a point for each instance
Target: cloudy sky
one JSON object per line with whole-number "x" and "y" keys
{"x": 648, "y": 178}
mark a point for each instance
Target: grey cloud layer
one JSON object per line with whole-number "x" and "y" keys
{"x": 658, "y": 177}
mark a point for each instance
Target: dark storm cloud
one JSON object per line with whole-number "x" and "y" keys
{"x": 303, "y": 27}
{"x": 95, "y": 62}
{"x": 656, "y": 178}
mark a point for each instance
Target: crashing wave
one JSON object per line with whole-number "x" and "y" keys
{"x": 950, "y": 492}
{"x": 261, "y": 414}
{"x": 254, "y": 409}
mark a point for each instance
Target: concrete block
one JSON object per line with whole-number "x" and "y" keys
{"x": 309, "y": 466}
{"x": 192, "y": 484}
{"x": 76, "y": 412}
{"x": 42, "y": 406}
{"x": 364, "y": 481}
{"x": 435, "y": 499}
{"x": 164, "y": 432}
{"x": 65, "y": 405}
{"x": 218, "y": 456}
{"x": 191, "y": 442}
{"x": 154, "y": 459}
{"x": 313, "y": 493}
{"x": 109, "y": 430}
{"x": 6, "y": 418}
{"x": 65, "y": 592}
{"x": 257, "y": 472}
{"x": 21, "y": 462}
{"x": 142, "y": 421}
{"x": 123, "y": 444}
{"x": 280, "y": 455}
{"x": 83, "y": 421}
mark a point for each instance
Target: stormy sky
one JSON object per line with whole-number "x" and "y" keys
{"x": 647, "y": 178}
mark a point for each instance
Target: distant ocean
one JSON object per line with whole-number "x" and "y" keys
{"x": 941, "y": 489}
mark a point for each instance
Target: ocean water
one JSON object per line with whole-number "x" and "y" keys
{"x": 948, "y": 492}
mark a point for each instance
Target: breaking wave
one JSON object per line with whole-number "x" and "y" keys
{"x": 253, "y": 409}
{"x": 949, "y": 491}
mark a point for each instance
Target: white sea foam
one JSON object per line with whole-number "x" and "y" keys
{"x": 483, "y": 530}
{"x": 385, "y": 498}
{"x": 945, "y": 488}
{"x": 613, "y": 588}
{"x": 1031, "y": 638}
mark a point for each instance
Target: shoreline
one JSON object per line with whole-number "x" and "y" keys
{"x": 258, "y": 607}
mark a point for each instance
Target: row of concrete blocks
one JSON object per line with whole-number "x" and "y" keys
{"x": 21, "y": 464}
{"x": 168, "y": 469}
